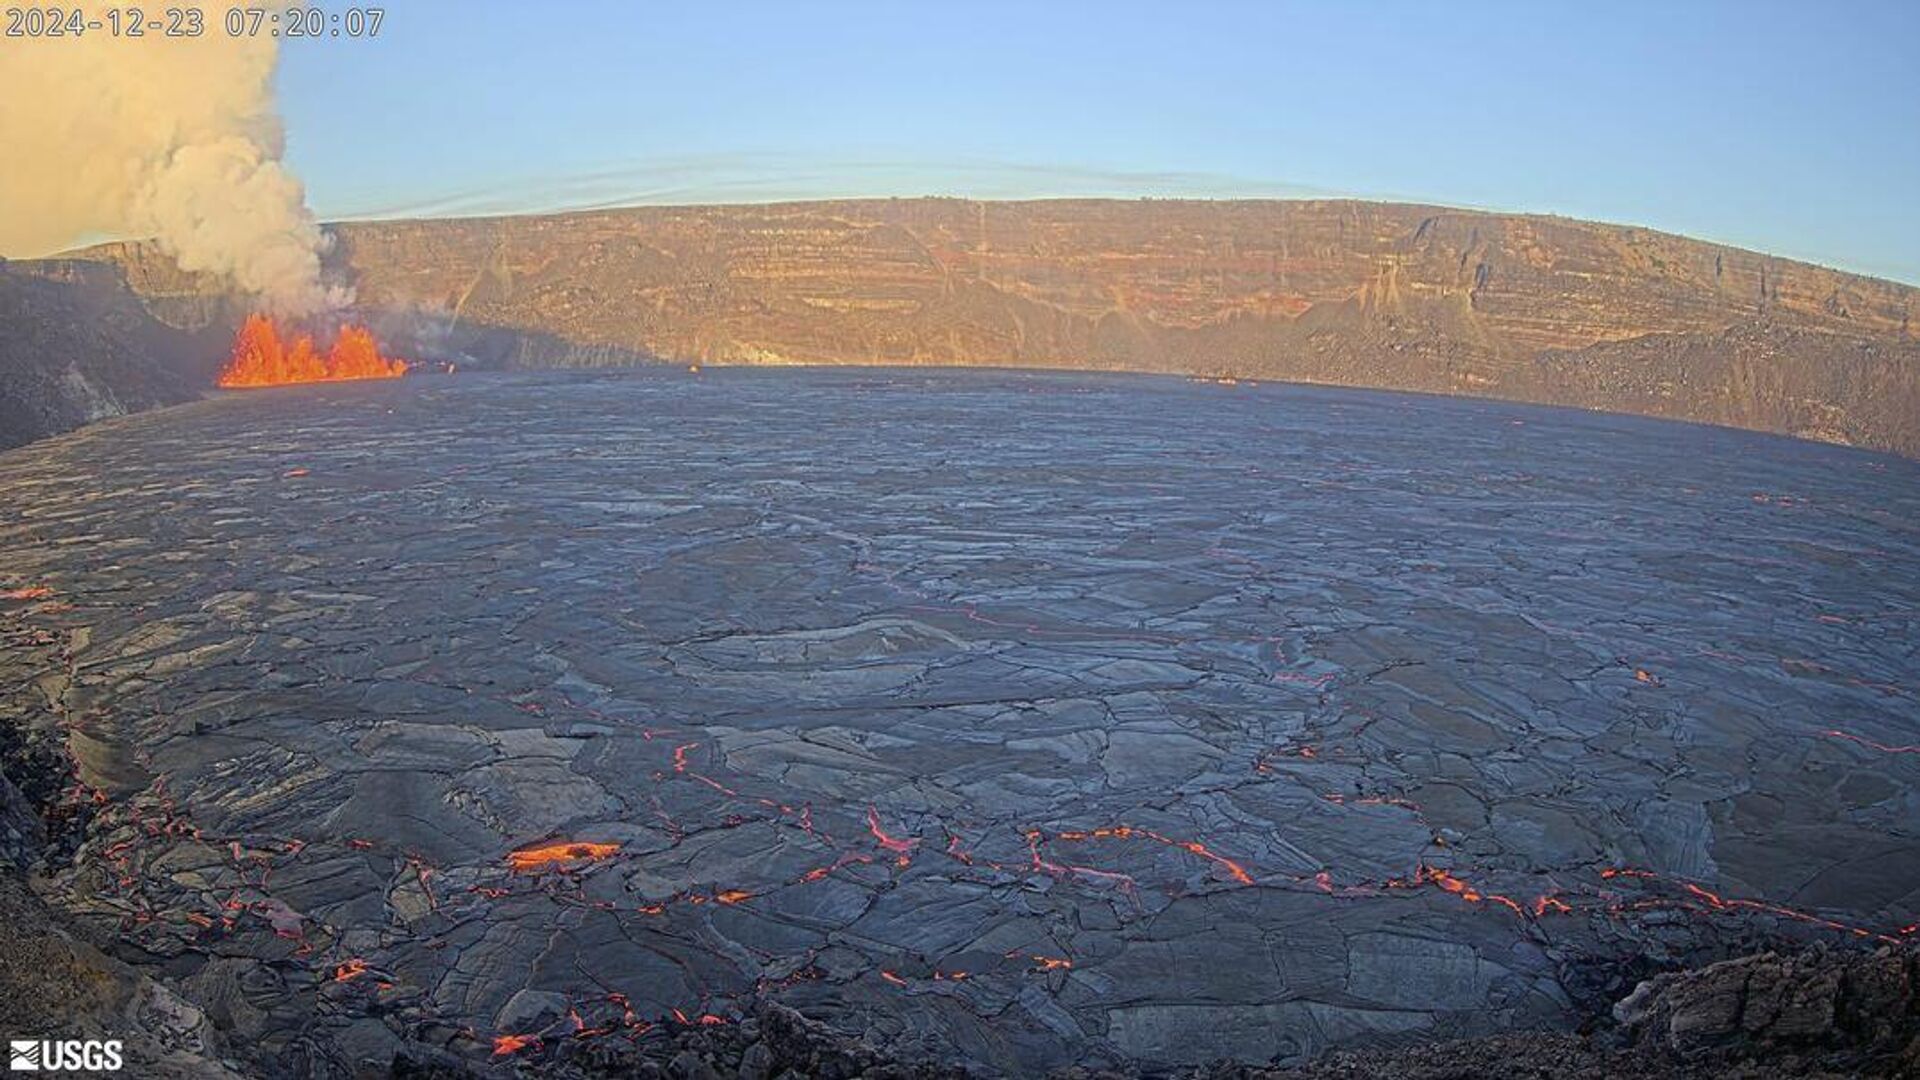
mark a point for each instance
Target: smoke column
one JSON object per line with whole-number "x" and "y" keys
{"x": 174, "y": 139}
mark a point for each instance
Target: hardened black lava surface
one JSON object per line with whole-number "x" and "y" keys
{"x": 1014, "y": 720}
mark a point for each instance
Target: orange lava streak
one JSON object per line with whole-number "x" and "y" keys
{"x": 261, "y": 358}
{"x": 1264, "y": 762}
{"x": 512, "y": 1044}
{"x": 1192, "y": 847}
{"x": 820, "y": 872}
{"x": 1447, "y": 881}
{"x": 1465, "y": 891}
{"x": 1045, "y": 865}
{"x": 680, "y": 765}
{"x": 955, "y": 851}
{"x": 1871, "y": 745}
{"x": 1195, "y": 847}
{"x": 32, "y": 592}
{"x": 350, "y": 970}
{"x": 900, "y": 847}
{"x": 580, "y": 1028}
{"x": 1721, "y": 903}
{"x": 551, "y": 855}
{"x": 1712, "y": 901}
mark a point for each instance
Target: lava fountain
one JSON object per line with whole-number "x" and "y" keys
{"x": 261, "y": 358}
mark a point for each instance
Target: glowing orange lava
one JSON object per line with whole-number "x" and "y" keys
{"x": 1871, "y": 745}
{"x": 512, "y": 1044}
{"x": 1041, "y": 863}
{"x": 1717, "y": 902}
{"x": 1194, "y": 847}
{"x": 903, "y": 848}
{"x": 1434, "y": 876}
{"x": 261, "y": 358}
{"x": 558, "y": 855}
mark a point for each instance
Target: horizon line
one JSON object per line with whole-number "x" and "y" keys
{"x": 645, "y": 203}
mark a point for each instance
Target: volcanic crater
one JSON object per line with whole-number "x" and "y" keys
{"x": 1012, "y": 720}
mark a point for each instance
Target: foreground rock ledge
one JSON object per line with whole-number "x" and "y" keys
{"x": 1813, "y": 1014}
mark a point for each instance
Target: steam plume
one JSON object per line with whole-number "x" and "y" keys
{"x": 174, "y": 139}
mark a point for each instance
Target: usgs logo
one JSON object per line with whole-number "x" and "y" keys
{"x": 56, "y": 1055}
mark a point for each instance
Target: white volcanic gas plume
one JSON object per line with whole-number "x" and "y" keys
{"x": 170, "y": 138}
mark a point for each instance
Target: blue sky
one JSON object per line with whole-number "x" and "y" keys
{"x": 1789, "y": 128}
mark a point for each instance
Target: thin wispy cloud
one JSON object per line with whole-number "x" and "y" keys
{"x": 782, "y": 177}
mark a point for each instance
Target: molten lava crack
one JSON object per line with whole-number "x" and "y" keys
{"x": 559, "y": 856}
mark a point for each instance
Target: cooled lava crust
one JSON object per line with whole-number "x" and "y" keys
{"x": 1008, "y": 720}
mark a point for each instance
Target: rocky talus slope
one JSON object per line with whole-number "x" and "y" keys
{"x": 76, "y": 346}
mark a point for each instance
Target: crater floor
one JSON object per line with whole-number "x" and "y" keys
{"x": 1016, "y": 719}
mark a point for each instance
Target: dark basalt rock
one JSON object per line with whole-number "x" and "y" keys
{"x": 772, "y": 1043}
{"x": 1836, "y": 1005}
{"x": 56, "y": 984}
{"x": 1819, "y": 1012}
{"x": 23, "y": 836}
